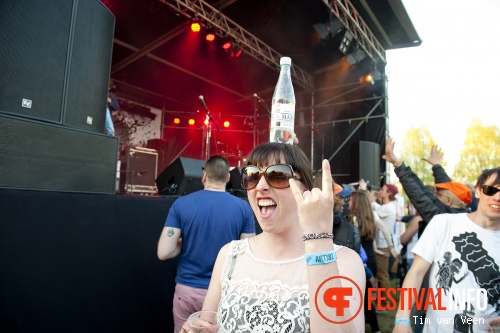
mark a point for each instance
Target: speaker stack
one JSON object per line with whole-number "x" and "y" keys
{"x": 56, "y": 60}
{"x": 365, "y": 159}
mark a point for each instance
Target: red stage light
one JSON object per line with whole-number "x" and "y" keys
{"x": 226, "y": 46}
{"x": 238, "y": 53}
{"x": 210, "y": 37}
{"x": 226, "y": 124}
{"x": 177, "y": 121}
{"x": 195, "y": 27}
{"x": 191, "y": 121}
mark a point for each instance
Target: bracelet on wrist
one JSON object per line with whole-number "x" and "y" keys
{"x": 317, "y": 235}
{"x": 320, "y": 258}
{"x": 402, "y": 321}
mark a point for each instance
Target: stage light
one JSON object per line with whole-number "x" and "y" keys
{"x": 237, "y": 51}
{"x": 226, "y": 124}
{"x": 195, "y": 26}
{"x": 328, "y": 29}
{"x": 356, "y": 56}
{"x": 376, "y": 75}
{"x": 373, "y": 76}
{"x": 226, "y": 46}
{"x": 191, "y": 122}
{"x": 210, "y": 37}
{"x": 206, "y": 122}
{"x": 367, "y": 79}
{"x": 345, "y": 43}
{"x": 177, "y": 121}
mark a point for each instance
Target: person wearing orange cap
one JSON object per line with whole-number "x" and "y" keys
{"x": 458, "y": 195}
{"x": 451, "y": 197}
{"x": 460, "y": 252}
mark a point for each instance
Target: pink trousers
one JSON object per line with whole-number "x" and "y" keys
{"x": 187, "y": 300}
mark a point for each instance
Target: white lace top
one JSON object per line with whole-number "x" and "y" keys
{"x": 261, "y": 296}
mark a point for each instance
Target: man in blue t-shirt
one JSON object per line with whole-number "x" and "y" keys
{"x": 197, "y": 226}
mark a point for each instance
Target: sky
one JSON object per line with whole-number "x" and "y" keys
{"x": 452, "y": 77}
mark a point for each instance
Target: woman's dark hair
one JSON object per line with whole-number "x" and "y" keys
{"x": 274, "y": 152}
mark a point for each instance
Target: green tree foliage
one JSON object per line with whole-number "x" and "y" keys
{"x": 481, "y": 151}
{"x": 416, "y": 145}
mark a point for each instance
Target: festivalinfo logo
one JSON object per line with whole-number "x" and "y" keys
{"x": 350, "y": 296}
{"x": 458, "y": 299}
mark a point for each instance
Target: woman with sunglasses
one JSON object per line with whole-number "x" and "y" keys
{"x": 282, "y": 280}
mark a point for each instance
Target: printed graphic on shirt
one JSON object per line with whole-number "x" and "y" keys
{"x": 449, "y": 271}
{"x": 486, "y": 272}
{"x": 474, "y": 262}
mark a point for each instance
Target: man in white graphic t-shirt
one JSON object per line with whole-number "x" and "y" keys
{"x": 461, "y": 251}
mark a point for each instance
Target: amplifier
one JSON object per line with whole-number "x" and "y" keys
{"x": 138, "y": 170}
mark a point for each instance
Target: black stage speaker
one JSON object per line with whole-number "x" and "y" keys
{"x": 43, "y": 156}
{"x": 234, "y": 185}
{"x": 181, "y": 177}
{"x": 365, "y": 159}
{"x": 56, "y": 60}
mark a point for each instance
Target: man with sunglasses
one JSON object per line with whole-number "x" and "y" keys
{"x": 461, "y": 252}
{"x": 197, "y": 226}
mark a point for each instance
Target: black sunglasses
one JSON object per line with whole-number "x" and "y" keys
{"x": 489, "y": 190}
{"x": 276, "y": 175}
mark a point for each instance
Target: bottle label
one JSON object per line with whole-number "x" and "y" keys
{"x": 283, "y": 115}
{"x": 282, "y": 123}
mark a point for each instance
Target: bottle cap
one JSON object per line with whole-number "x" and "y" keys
{"x": 286, "y": 61}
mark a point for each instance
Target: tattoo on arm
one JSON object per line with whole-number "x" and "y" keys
{"x": 170, "y": 232}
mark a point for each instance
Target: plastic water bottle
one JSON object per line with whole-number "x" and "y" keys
{"x": 283, "y": 106}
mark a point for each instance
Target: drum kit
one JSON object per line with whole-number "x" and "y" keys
{"x": 230, "y": 154}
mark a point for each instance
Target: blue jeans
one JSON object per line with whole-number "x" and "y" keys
{"x": 110, "y": 128}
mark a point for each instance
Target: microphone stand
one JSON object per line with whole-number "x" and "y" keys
{"x": 265, "y": 105}
{"x": 256, "y": 115}
{"x": 209, "y": 133}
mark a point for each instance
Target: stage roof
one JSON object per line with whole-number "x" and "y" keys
{"x": 157, "y": 60}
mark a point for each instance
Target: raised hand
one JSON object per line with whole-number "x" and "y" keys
{"x": 315, "y": 207}
{"x": 435, "y": 156}
{"x": 390, "y": 156}
{"x": 363, "y": 185}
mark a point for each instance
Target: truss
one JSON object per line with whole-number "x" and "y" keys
{"x": 248, "y": 42}
{"x": 345, "y": 12}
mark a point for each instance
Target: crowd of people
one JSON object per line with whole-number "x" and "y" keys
{"x": 319, "y": 238}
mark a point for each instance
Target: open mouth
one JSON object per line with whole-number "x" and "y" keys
{"x": 266, "y": 206}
